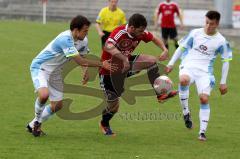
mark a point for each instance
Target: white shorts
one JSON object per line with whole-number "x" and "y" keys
{"x": 54, "y": 83}
{"x": 203, "y": 80}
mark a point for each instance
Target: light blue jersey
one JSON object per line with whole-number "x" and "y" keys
{"x": 201, "y": 50}
{"x": 57, "y": 52}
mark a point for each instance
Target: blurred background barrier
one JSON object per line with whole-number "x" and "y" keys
{"x": 63, "y": 10}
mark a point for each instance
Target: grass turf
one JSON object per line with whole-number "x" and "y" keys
{"x": 138, "y": 136}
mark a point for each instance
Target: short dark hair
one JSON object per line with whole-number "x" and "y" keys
{"x": 137, "y": 20}
{"x": 213, "y": 15}
{"x": 78, "y": 22}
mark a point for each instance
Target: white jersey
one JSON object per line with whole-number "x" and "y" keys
{"x": 58, "y": 52}
{"x": 201, "y": 50}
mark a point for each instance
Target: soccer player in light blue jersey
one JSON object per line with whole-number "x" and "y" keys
{"x": 198, "y": 51}
{"x": 47, "y": 66}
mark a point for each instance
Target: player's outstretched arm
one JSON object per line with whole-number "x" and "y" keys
{"x": 85, "y": 73}
{"x": 92, "y": 63}
{"x": 223, "y": 85}
{"x": 174, "y": 58}
{"x": 158, "y": 42}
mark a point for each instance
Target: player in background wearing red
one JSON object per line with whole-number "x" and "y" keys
{"x": 168, "y": 27}
{"x": 119, "y": 48}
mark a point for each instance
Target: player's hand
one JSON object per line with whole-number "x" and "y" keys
{"x": 164, "y": 55}
{"x": 223, "y": 89}
{"x": 85, "y": 78}
{"x": 168, "y": 69}
{"x": 109, "y": 66}
{"x": 101, "y": 34}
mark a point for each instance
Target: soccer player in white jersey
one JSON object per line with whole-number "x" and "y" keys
{"x": 47, "y": 65}
{"x": 198, "y": 51}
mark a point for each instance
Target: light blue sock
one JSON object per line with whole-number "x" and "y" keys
{"x": 38, "y": 109}
{"x": 46, "y": 114}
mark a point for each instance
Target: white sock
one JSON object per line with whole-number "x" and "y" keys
{"x": 32, "y": 122}
{"x": 46, "y": 114}
{"x": 38, "y": 109}
{"x": 183, "y": 96}
{"x": 204, "y": 115}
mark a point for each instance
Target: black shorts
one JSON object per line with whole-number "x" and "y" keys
{"x": 169, "y": 32}
{"x": 105, "y": 37}
{"x": 113, "y": 85}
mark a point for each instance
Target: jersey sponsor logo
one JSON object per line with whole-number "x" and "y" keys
{"x": 127, "y": 52}
{"x": 126, "y": 46}
{"x": 203, "y": 49}
{"x": 167, "y": 12}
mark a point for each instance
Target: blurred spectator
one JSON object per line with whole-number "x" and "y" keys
{"x": 108, "y": 19}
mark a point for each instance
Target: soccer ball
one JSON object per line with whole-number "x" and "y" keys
{"x": 163, "y": 85}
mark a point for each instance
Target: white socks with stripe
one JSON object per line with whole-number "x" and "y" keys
{"x": 38, "y": 112}
{"x": 46, "y": 114}
{"x": 204, "y": 115}
{"x": 183, "y": 96}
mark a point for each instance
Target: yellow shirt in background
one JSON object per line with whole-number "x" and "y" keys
{"x": 109, "y": 20}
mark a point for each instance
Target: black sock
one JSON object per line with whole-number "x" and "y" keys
{"x": 106, "y": 117}
{"x": 153, "y": 73}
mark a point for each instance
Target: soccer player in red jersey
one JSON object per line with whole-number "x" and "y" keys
{"x": 119, "y": 48}
{"x": 167, "y": 10}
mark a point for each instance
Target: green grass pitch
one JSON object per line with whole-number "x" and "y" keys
{"x": 143, "y": 138}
